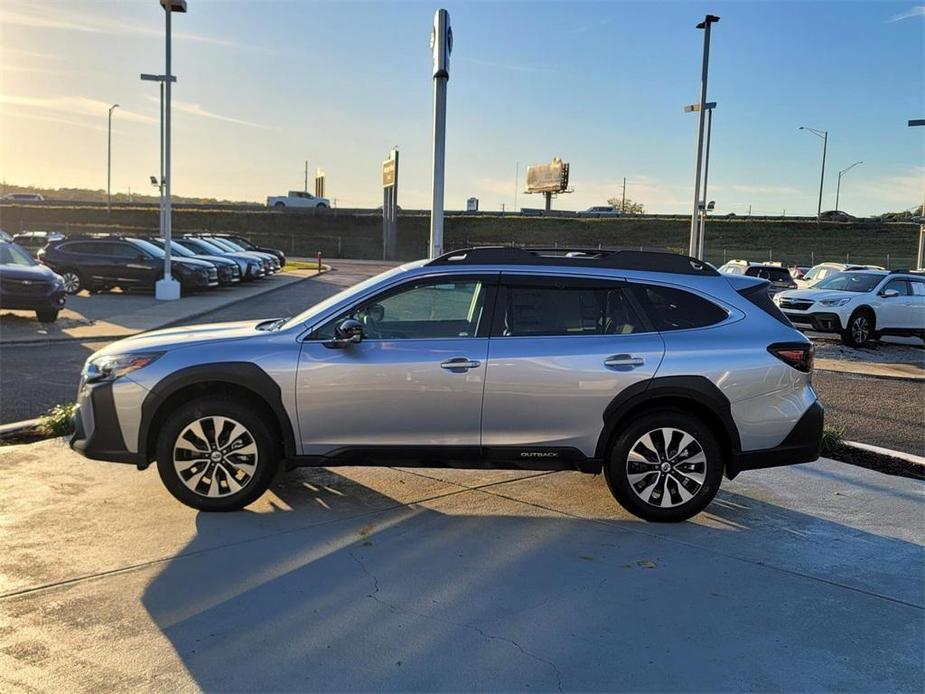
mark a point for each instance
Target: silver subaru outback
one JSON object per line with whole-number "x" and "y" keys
{"x": 649, "y": 367}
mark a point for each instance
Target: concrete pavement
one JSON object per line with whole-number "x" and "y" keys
{"x": 361, "y": 579}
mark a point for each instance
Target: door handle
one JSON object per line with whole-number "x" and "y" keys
{"x": 618, "y": 360}
{"x": 460, "y": 363}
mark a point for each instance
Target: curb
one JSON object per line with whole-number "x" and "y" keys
{"x": 911, "y": 378}
{"x": 899, "y": 455}
{"x": 15, "y": 427}
{"x": 120, "y": 336}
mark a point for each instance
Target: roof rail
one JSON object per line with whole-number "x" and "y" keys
{"x": 655, "y": 261}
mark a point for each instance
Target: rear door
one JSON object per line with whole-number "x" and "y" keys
{"x": 561, "y": 349}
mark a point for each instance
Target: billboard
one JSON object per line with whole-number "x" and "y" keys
{"x": 548, "y": 178}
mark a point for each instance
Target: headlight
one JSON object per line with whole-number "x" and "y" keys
{"x": 835, "y": 302}
{"x": 776, "y": 298}
{"x": 58, "y": 282}
{"x": 113, "y": 366}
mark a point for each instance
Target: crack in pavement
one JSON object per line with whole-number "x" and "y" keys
{"x": 396, "y": 609}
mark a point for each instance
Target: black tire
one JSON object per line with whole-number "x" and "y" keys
{"x": 321, "y": 206}
{"x": 258, "y": 432}
{"x": 860, "y": 328}
{"x": 47, "y": 315}
{"x": 73, "y": 281}
{"x": 700, "y": 480}
{"x": 279, "y": 204}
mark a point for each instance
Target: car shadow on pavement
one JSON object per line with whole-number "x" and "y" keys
{"x": 347, "y": 589}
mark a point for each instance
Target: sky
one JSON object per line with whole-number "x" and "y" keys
{"x": 264, "y": 86}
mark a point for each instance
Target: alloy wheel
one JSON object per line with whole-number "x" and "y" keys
{"x": 666, "y": 467}
{"x": 860, "y": 329}
{"x": 215, "y": 456}
{"x": 71, "y": 282}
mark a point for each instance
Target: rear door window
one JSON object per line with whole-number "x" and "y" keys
{"x": 564, "y": 307}
{"x": 676, "y": 309}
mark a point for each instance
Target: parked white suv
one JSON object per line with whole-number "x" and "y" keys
{"x": 819, "y": 272}
{"x": 297, "y": 198}
{"x": 860, "y": 305}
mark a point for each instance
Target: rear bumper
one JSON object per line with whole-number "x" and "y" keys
{"x": 821, "y": 322}
{"x": 802, "y": 445}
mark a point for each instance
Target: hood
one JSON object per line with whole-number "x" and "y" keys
{"x": 184, "y": 336}
{"x": 816, "y": 294}
{"x": 21, "y": 272}
{"x": 214, "y": 259}
{"x": 192, "y": 262}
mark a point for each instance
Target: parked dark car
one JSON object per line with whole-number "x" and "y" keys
{"x": 229, "y": 272}
{"x": 34, "y": 241}
{"x": 249, "y": 245}
{"x": 94, "y": 263}
{"x": 26, "y": 285}
{"x": 273, "y": 264}
{"x": 779, "y": 277}
{"x": 254, "y": 265}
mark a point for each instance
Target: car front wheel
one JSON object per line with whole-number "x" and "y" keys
{"x": 217, "y": 454}
{"x": 73, "y": 283}
{"x": 666, "y": 466}
{"x": 860, "y": 329}
{"x": 47, "y": 315}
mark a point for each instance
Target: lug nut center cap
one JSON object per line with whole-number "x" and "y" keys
{"x": 666, "y": 467}
{"x": 216, "y": 456}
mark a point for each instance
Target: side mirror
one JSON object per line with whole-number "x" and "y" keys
{"x": 889, "y": 293}
{"x": 348, "y": 332}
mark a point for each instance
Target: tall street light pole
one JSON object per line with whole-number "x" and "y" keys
{"x": 838, "y": 187}
{"x": 920, "y": 256}
{"x": 695, "y": 226}
{"x": 109, "y": 160}
{"x": 168, "y": 289}
{"x": 824, "y": 136}
{"x": 160, "y": 180}
{"x": 441, "y": 42}
{"x": 701, "y": 205}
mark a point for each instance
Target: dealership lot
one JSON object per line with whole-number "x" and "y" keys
{"x": 362, "y": 578}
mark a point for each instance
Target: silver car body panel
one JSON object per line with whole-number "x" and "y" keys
{"x": 536, "y": 391}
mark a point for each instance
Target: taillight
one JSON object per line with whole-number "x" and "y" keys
{"x": 799, "y": 355}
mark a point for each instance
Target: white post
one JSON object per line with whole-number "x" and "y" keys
{"x": 441, "y": 41}
{"x": 167, "y": 289}
{"x": 695, "y": 227}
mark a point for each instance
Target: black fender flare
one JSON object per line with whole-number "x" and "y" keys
{"x": 698, "y": 390}
{"x": 239, "y": 374}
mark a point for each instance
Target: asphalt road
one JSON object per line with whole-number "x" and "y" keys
{"x": 883, "y": 412}
{"x": 796, "y": 579}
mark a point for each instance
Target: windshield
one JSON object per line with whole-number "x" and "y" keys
{"x": 850, "y": 282}
{"x": 207, "y": 247}
{"x": 232, "y": 245}
{"x": 341, "y": 296}
{"x": 11, "y": 254}
{"x": 180, "y": 250}
{"x": 148, "y": 246}
{"x": 221, "y": 243}
{"x": 243, "y": 243}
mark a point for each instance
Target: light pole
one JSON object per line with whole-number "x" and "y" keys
{"x": 441, "y": 42}
{"x": 824, "y": 135}
{"x": 160, "y": 181}
{"x": 109, "y": 160}
{"x": 702, "y": 215}
{"x": 167, "y": 289}
{"x": 695, "y": 227}
{"x": 920, "y": 256}
{"x": 838, "y": 187}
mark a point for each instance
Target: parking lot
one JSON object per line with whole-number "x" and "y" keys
{"x": 361, "y": 579}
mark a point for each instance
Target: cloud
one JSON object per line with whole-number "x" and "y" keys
{"x": 52, "y": 119}
{"x": 197, "y": 110}
{"x": 70, "y": 106}
{"x": 916, "y": 11}
{"x": 904, "y": 189}
{"x": 106, "y": 25}
{"x": 761, "y": 189}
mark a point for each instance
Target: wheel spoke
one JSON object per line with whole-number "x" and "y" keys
{"x": 666, "y": 467}
{"x": 215, "y": 456}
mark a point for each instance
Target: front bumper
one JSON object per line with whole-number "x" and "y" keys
{"x": 822, "y": 322}
{"x": 802, "y": 445}
{"x": 97, "y": 434}
{"x": 32, "y": 302}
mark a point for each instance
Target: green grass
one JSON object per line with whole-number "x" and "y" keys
{"x": 57, "y": 421}
{"x": 832, "y": 440}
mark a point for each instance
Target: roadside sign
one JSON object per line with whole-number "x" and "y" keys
{"x": 388, "y": 173}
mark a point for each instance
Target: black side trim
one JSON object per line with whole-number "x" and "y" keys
{"x": 802, "y": 445}
{"x": 696, "y": 389}
{"x": 245, "y": 374}
{"x": 463, "y": 457}
{"x": 105, "y": 442}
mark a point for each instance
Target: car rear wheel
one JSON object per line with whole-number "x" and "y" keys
{"x": 73, "y": 282}
{"x": 279, "y": 204}
{"x": 47, "y": 315}
{"x": 860, "y": 329}
{"x": 217, "y": 454}
{"x": 665, "y": 466}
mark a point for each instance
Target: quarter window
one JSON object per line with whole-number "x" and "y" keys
{"x": 565, "y": 310}
{"x": 676, "y": 309}
{"x": 446, "y": 309}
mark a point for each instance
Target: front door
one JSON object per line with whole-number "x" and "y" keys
{"x": 414, "y": 381}
{"x": 895, "y": 312}
{"x": 561, "y": 350}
